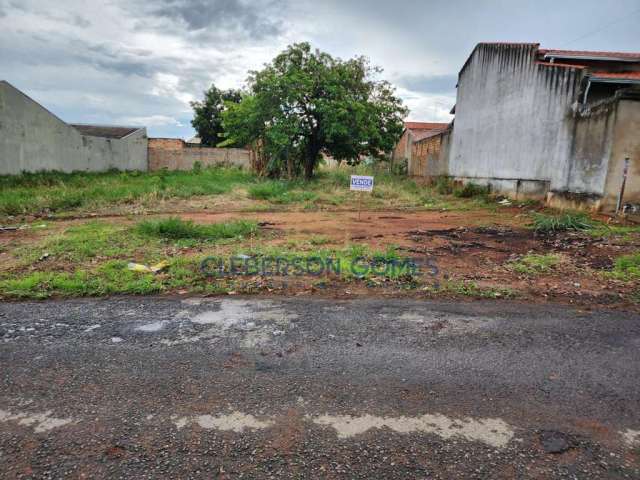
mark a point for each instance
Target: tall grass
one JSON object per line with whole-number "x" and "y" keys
{"x": 558, "y": 223}
{"x": 49, "y": 192}
{"x": 280, "y": 191}
{"x": 176, "y": 229}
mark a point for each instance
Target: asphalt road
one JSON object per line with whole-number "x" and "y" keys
{"x": 309, "y": 388}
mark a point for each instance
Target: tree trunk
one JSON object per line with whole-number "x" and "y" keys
{"x": 312, "y": 151}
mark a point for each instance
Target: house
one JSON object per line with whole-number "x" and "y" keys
{"x": 413, "y": 132}
{"x": 558, "y": 125}
{"x": 33, "y": 139}
{"x": 426, "y": 152}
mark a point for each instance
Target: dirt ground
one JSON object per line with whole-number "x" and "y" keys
{"x": 475, "y": 248}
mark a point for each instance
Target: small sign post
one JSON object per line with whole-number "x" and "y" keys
{"x": 361, "y": 183}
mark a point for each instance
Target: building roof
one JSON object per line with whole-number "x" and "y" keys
{"x": 623, "y": 77}
{"x": 424, "y": 125}
{"x": 587, "y": 54}
{"x": 105, "y": 131}
{"x": 427, "y": 135}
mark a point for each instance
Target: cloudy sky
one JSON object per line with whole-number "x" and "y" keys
{"x": 140, "y": 62}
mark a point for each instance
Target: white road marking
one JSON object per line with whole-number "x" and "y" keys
{"x": 492, "y": 431}
{"x": 235, "y": 422}
{"x": 41, "y": 422}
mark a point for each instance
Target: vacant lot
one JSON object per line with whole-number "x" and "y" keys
{"x": 76, "y": 235}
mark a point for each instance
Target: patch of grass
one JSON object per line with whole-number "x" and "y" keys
{"x": 54, "y": 192}
{"x": 356, "y": 261}
{"x": 113, "y": 277}
{"x": 626, "y": 267}
{"x": 543, "y": 223}
{"x": 471, "y": 289}
{"x": 276, "y": 191}
{"x": 93, "y": 239}
{"x": 533, "y": 264}
{"x": 444, "y": 185}
{"x": 621, "y": 231}
{"x": 176, "y": 229}
{"x": 317, "y": 240}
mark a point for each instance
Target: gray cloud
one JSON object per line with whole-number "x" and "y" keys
{"x": 111, "y": 61}
{"x": 81, "y": 22}
{"x": 235, "y": 16}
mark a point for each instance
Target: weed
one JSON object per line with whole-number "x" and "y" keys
{"x": 557, "y": 223}
{"x": 276, "y": 191}
{"x": 470, "y": 190}
{"x": 532, "y": 264}
{"x": 470, "y": 289}
{"x": 175, "y": 228}
{"x": 319, "y": 240}
{"x": 45, "y": 192}
{"x": 444, "y": 185}
{"x": 626, "y": 267}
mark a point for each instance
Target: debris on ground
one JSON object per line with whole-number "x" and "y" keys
{"x": 554, "y": 442}
{"x": 139, "y": 267}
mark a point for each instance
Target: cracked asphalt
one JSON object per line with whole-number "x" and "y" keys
{"x": 315, "y": 388}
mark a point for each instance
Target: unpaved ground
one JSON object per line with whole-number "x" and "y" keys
{"x": 471, "y": 247}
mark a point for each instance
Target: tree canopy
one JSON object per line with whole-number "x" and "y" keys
{"x": 207, "y": 114}
{"x": 307, "y": 102}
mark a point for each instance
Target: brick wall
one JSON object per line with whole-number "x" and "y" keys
{"x": 175, "y": 154}
{"x": 422, "y": 153}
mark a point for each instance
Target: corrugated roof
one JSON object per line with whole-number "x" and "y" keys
{"x": 426, "y": 135}
{"x": 105, "y": 131}
{"x": 629, "y": 56}
{"x": 424, "y": 125}
{"x": 631, "y": 76}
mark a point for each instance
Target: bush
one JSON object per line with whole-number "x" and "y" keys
{"x": 559, "y": 223}
{"x": 175, "y": 229}
{"x": 444, "y": 185}
{"x": 470, "y": 190}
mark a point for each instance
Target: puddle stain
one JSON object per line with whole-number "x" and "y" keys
{"x": 41, "y": 422}
{"x": 631, "y": 437}
{"x": 252, "y": 323}
{"x": 152, "y": 327}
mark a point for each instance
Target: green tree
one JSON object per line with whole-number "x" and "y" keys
{"x": 306, "y": 102}
{"x": 207, "y": 115}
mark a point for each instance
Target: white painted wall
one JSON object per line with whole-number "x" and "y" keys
{"x": 33, "y": 139}
{"x": 514, "y": 120}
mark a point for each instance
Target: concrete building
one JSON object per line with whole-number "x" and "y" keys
{"x": 549, "y": 124}
{"x": 413, "y": 132}
{"x": 33, "y": 139}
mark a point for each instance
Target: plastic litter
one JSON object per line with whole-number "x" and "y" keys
{"x": 139, "y": 267}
